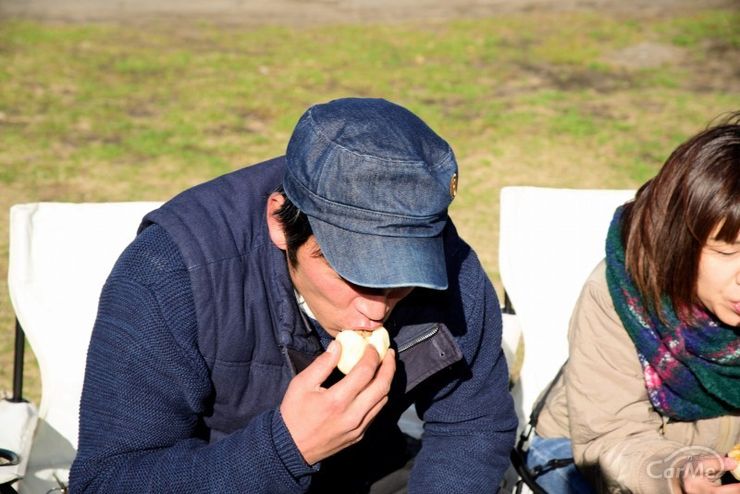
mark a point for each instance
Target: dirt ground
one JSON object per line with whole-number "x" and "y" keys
{"x": 303, "y": 12}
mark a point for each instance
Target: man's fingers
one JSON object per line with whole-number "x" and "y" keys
{"x": 320, "y": 369}
{"x": 388, "y": 365}
{"x": 366, "y": 384}
{"x": 728, "y": 463}
{"x": 377, "y": 390}
{"x": 372, "y": 413}
{"x": 702, "y": 474}
{"x": 727, "y": 489}
{"x": 370, "y": 401}
{"x": 359, "y": 377}
{"x": 710, "y": 466}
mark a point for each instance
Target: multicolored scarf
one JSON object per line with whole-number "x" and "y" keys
{"x": 691, "y": 372}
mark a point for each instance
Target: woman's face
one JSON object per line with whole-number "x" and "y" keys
{"x": 718, "y": 283}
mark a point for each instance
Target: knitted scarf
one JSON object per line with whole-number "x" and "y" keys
{"x": 690, "y": 372}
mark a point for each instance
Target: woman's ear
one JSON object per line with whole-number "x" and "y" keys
{"x": 277, "y": 235}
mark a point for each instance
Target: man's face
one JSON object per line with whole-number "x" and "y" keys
{"x": 337, "y": 303}
{"x": 718, "y": 283}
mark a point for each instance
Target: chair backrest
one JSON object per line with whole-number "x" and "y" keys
{"x": 550, "y": 241}
{"x": 60, "y": 256}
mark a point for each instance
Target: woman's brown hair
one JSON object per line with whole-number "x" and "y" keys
{"x": 666, "y": 226}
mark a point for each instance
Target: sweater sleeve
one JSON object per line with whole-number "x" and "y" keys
{"x": 616, "y": 433}
{"x": 147, "y": 387}
{"x": 469, "y": 425}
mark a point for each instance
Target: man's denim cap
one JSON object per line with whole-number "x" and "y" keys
{"x": 375, "y": 182}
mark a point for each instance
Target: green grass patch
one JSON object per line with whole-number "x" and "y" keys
{"x": 715, "y": 27}
{"x": 103, "y": 112}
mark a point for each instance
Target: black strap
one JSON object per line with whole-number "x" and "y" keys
{"x": 7, "y": 488}
{"x": 518, "y": 454}
{"x": 537, "y": 409}
{"x": 20, "y": 343}
{"x": 535, "y": 415}
{"x": 553, "y": 464}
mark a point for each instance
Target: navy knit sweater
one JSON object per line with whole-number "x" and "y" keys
{"x": 147, "y": 384}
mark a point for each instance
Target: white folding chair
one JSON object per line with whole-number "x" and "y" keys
{"x": 60, "y": 256}
{"x": 550, "y": 241}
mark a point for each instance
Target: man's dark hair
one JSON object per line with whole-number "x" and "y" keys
{"x": 295, "y": 226}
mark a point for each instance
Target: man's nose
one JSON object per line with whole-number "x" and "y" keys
{"x": 374, "y": 304}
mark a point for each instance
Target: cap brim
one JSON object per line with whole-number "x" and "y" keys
{"x": 382, "y": 262}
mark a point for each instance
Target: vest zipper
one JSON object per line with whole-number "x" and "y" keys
{"x": 419, "y": 339}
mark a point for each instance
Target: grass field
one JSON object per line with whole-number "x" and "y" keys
{"x": 104, "y": 112}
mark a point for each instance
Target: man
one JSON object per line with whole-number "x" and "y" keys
{"x": 212, "y": 367}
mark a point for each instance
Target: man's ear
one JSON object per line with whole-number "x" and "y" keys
{"x": 277, "y": 235}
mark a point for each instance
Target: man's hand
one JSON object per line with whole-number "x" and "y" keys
{"x": 702, "y": 475}
{"x": 324, "y": 421}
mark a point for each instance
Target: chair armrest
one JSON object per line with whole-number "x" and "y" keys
{"x": 16, "y": 435}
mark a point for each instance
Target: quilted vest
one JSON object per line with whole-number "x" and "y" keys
{"x": 250, "y": 330}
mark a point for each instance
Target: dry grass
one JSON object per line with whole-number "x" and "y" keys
{"x": 104, "y": 112}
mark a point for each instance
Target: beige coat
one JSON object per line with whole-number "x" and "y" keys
{"x": 619, "y": 441}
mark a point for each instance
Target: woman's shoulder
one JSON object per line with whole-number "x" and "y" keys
{"x": 595, "y": 292}
{"x": 597, "y": 278}
{"x": 595, "y": 324}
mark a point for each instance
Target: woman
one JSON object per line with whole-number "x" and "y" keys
{"x": 650, "y": 396}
